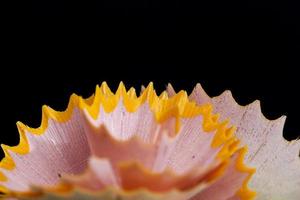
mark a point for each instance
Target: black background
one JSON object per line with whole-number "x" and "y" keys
{"x": 51, "y": 49}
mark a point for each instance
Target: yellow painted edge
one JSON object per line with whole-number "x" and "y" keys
{"x": 245, "y": 193}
